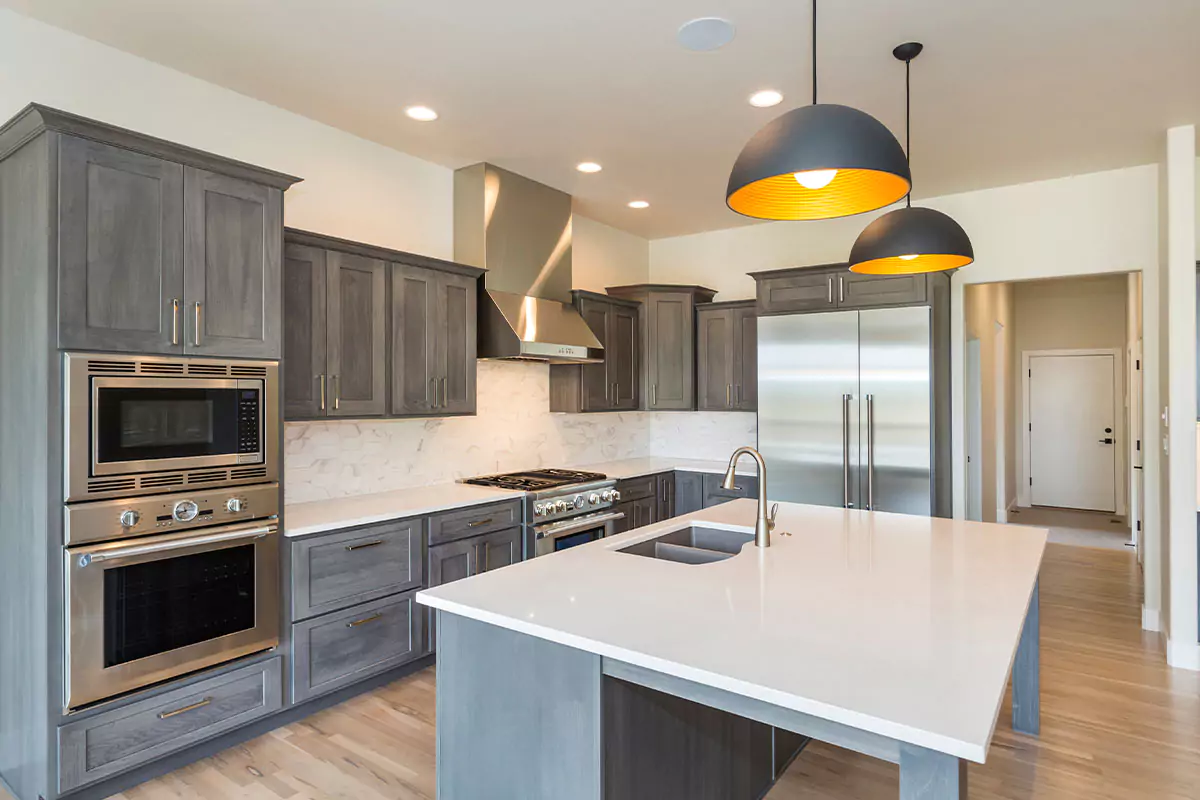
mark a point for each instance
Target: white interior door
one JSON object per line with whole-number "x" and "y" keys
{"x": 1072, "y": 434}
{"x": 974, "y": 407}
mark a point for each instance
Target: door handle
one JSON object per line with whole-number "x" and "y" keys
{"x": 358, "y": 622}
{"x": 433, "y": 383}
{"x": 870, "y": 452}
{"x": 196, "y": 332}
{"x": 175, "y": 321}
{"x": 337, "y": 393}
{"x": 845, "y": 451}
{"x": 324, "y": 394}
{"x": 1106, "y": 441}
{"x": 185, "y": 709}
{"x": 445, "y": 402}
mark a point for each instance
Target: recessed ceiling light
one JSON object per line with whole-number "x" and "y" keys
{"x": 421, "y": 113}
{"x": 588, "y": 166}
{"x": 766, "y": 98}
{"x": 705, "y": 33}
{"x": 639, "y": 204}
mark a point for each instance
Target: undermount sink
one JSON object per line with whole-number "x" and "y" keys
{"x": 694, "y": 544}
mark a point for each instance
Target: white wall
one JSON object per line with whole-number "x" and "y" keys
{"x": 988, "y": 306}
{"x": 1081, "y": 313}
{"x": 604, "y": 256}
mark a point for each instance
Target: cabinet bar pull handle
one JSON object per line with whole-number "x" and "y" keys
{"x": 829, "y": 287}
{"x": 323, "y": 392}
{"x": 654, "y": 394}
{"x": 479, "y": 522}
{"x": 337, "y": 393}
{"x": 433, "y": 382}
{"x": 445, "y": 402}
{"x": 870, "y": 452}
{"x": 185, "y": 709}
{"x": 365, "y": 620}
{"x": 175, "y": 321}
{"x": 487, "y": 558}
{"x": 728, "y": 395}
{"x": 841, "y": 290}
{"x": 196, "y": 332}
{"x": 364, "y": 545}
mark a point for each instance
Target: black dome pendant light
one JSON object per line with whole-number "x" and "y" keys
{"x": 909, "y": 240}
{"x": 818, "y": 162}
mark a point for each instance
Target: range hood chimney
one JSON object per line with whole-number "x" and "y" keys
{"x": 520, "y": 231}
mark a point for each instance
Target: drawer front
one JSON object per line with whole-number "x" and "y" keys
{"x": 797, "y": 293}
{"x": 341, "y": 569}
{"x": 714, "y": 493}
{"x": 474, "y": 521}
{"x": 119, "y": 740}
{"x": 637, "y": 488}
{"x": 341, "y": 648}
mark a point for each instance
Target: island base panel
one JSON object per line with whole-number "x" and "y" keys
{"x": 1026, "y": 673}
{"x": 930, "y": 775}
{"x": 518, "y": 718}
{"x": 659, "y": 746}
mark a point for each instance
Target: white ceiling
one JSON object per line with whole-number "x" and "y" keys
{"x": 1007, "y": 90}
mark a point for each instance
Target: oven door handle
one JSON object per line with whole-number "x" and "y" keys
{"x": 577, "y": 524}
{"x": 175, "y": 544}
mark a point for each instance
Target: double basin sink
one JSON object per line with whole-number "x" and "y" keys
{"x": 693, "y": 544}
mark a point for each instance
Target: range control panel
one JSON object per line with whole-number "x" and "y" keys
{"x": 107, "y": 520}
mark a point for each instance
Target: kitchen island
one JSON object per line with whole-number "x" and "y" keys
{"x": 618, "y": 670}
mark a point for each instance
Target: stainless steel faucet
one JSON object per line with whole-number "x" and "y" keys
{"x": 765, "y": 523}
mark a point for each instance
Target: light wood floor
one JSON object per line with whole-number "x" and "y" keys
{"x": 1116, "y": 723}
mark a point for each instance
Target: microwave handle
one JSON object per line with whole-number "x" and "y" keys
{"x": 175, "y": 544}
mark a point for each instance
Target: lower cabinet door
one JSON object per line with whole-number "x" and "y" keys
{"x": 499, "y": 549}
{"x": 342, "y": 648}
{"x": 689, "y": 492}
{"x": 119, "y": 740}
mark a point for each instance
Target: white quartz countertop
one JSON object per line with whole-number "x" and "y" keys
{"x": 649, "y": 465}
{"x": 899, "y": 625}
{"x": 317, "y": 516}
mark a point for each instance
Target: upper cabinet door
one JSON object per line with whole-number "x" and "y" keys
{"x": 791, "y": 294}
{"x": 714, "y": 359}
{"x": 595, "y": 378}
{"x": 669, "y": 351}
{"x": 871, "y": 291}
{"x": 456, "y": 343}
{"x": 233, "y": 232}
{"x": 357, "y": 335}
{"x": 745, "y": 359}
{"x": 621, "y": 357}
{"x": 305, "y": 332}
{"x": 120, "y": 250}
{"x": 416, "y": 384}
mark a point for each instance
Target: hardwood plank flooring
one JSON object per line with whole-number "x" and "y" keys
{"x": 1116, "y": 723}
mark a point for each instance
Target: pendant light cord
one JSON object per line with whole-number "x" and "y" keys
{"x": 814, "y": 50}
{"x": 908, "y": 128}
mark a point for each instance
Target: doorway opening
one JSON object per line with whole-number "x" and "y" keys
{"x": 1053, "y": 418}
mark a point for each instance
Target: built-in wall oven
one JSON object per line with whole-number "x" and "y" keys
{"x": 162, "y": 586}
{"x": 142, "y": 424}
{"x": 555, "y": 536}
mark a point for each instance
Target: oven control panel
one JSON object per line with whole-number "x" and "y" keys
{"x": 572, "y": 504}
{"x": 106, "y": 520}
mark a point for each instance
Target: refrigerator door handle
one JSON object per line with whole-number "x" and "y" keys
{"x": 846, "y": 451}
{"x": 870, "y": 452}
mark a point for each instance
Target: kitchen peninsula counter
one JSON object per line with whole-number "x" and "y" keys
{"x": 889, "y": 634}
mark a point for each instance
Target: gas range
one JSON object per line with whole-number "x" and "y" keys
{"x": 560, "y": 504}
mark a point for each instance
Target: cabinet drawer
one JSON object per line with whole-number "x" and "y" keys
{"x": 714, "y": 493}
{"x": 119, "y": 740}
{"x": 341, "y": 648}
{"x": 336, "y": 570}
{"x": 637, "y": 488}
{"x": 473, "y": 521}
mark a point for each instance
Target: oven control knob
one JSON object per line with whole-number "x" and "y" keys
{"x": 130, "y": 518}
{"x": 594, "y": 499}
{"x": 233, "y": 505}
{"x": 539, "y": 510}
{"x": 579, "y": 501}
{"x": 562, "y": 505}
{"x": 616, "y": 495}
{"x": 185, "y": 511}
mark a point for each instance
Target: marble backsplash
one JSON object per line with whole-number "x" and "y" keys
{"x": 512, "y": 430}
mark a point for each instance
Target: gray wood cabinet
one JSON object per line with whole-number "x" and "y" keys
{"x": 727, "y": 357}
{"x": 434, "y": 342}
{"x": 357, "y": 303}
{"x": 466, "y": 557}
{"x": 120, "y": 223}
{"x": 689, "y": 492}
{"x": 232, "y": 265}
{"x": 825, "y": 287}
{"x": 129, "y": 736}
{"x": 614, "y": 385}
{"x": 465, "y": 523}
{"x": 667, "y": 332}
{"x": 715, "y": 493}
{"x": 638, "y": 513}
{"x": 383, "y": 333}
{"x": 666, "y": 496}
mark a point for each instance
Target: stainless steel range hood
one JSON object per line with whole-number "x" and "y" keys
{"x": 520, "y": 232}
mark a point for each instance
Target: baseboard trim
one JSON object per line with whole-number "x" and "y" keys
{"x": 1183, "y": 655}
{"x": 1151, "y": 620}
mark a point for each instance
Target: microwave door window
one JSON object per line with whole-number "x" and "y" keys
{"x": 135, "y": 424}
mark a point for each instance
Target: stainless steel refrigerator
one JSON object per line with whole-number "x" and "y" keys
{"x": 845, "y": 408}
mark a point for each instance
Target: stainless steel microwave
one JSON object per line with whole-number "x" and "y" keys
{"x": 143, "y": 424}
